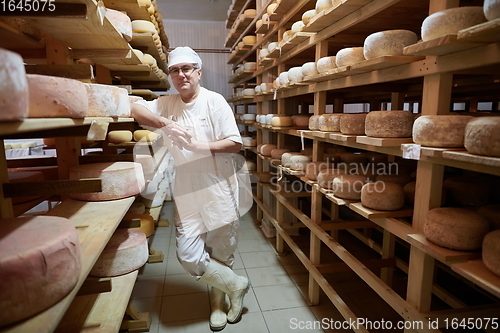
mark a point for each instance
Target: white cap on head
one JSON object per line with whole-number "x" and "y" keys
{"x": 183, "y": 54}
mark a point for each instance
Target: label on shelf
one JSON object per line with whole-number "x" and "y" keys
{"x": 411, "y": 151}
{"x": 97, "y": 131}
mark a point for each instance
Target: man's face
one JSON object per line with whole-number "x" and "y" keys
{"x": 185, "y": 77}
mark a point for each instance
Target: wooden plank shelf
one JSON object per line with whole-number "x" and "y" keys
{"x": 476, "y": 271}
{"x": 134, "y": 9}
{"x": 376, "y": 214}
{"x": 343, "y": 137}
{"x": 329, "y": 75}
{"x": 145, "y": 93}
{"x": 265, "y": 27}
{"x": 266, "y": 61}
{"x": 442, "y": 254}
{"x": 383, "y": 62}
{"x": 336, "y": 200}
{"x": 487, "y": 32}
{"x": 383, "y": 142}
{"x": 463, "y": 156}
{"x": 439, "y": 46}
{"x": 297, "y": 173}
{"x": 242, "y": 75}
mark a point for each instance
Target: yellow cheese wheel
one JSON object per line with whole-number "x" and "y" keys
{"x": 145, "y": 135}
{"x": 119, "y": 136}
{"x": 143, "y": 26}
{"x": 146, "y": 220}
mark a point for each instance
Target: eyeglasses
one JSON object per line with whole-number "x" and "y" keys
{"x": 186, "y": 70}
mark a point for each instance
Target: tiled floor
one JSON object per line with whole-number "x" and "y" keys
{"x": 274, "y": 304}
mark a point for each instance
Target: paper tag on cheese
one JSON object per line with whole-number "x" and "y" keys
{"x": 275, "y": 94}
{"x": 410, "y": 151}
{"x": 97, "y": 131}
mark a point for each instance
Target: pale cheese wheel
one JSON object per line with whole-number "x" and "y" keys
{"x": 147, "y": 223}
{"x": 314, "y": 168}
{"x": 126, "y": 251}
{"x": 288, "y": 35}
{"x": 248, "y": 116}
{"x": 14, "y": 96}
{"x": 297, "y": 26}
{"x": 314, "y": 123}
{"x": 241, "y": 45}
{"x": 295, "y": 74}
{"x": 309, "y": 68}
{"x": 263, "y": 87}
{"x": 482, "y": 136}
{"x": 263, "y": 53}
{"x": 322, "y": 5}
{"x": 258, "y": 90}
{"x": 283, "y": 78}
{"x": 22, "y": 177}
{"x": 272, "y": 46}
{"x": 41, "y": 262}
{"x": 326, "y": 63}
{"x": 353, "y": 123}
{"x": 121, "y": 22}
{"x": 265, "y": 177}
{"x": 491, "y": 251}
{"x": 249, "y": 92}
{"x": 400, "y": 178}
{"x": 348, "y": 186}
{"x": 389, "y": 124}
{"x": 259, "y": 24}
{"x": 281, "y": 121}
{"x": 467, "y": 191}
{"x": 143, "y": 26}
{"x": 349, "y": 56}
{"x": 145, "y": 135}
{"x": 381, "y": 195}
{"x": 330, "y": 122}
{"x": 326, "y": 176}
{"x": 451, "y": 21}
{"x": 119, "y": 180}
{"x": 491, "y": 9}
{"x": 148, "y": 59}
{"x": 137, "y": 208}
{"x": 300, "y": 120}
{"x": 250, "y": 65}
{"x": 455, "y": 228}
{"x": 139, "y": 54}
{"x": 249, "y": 40}
{"x": 107, "y": 101}
{"x": 285, "y": 158}
{"x": 276, "y": 83}
{"x": 269, "y": 118}
{"x": 51, "y": 96}
{"x": 444, "y": 131}
{"x": 267, "y": 148}
{"x": 250, "y": 13}
{"x": 299, "y": 162}
{"x": 119, "y": 136}
{"x": 271, "y": 8}
{"x": 249, "y": 142}
{"x": 277, "y": 153}
{"x": 388, "y": 43}
{"x": 308, "y": 16}
{"x": 492, "y": 214}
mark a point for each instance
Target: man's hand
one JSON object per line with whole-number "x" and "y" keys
{"x": 179, "y": 135}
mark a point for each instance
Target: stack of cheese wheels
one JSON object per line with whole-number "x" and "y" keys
{"x": 267, "y": 148}
{"x": 285, "y": 158}
{"x": 297, "y": 26}
{"x": 107, "y": 101}
{"x": 277, "y": 153}
{"x": 137, "y": 208}
{"x": 121, "y": 22}
{"x": 382, "y": 196}
{"x": 145, "y": 135}
{"x": 314, "y": 123}
{"x": 326, "y": 64}
{"x": 451, "y": 21}
{"x": 40, "y": 260}
{"x": 309, "y": 68}
{"x": 444, "y": 131}
{"x": 314, "y": 168}
{"x": 326, "y": 176}
{"x": 467, "y": 191}
{"x": 51, "y": 96}
{"x": 330, "y": 122}
{"x": 22, "y": 177}
{"x": 308, "y": 15}
{"x": 265, "y": 177}
{"x": 299, "y": 162}
{"x": 295, "y": 74}
{"x": 482, "y": 136}
{"x": 388, "y": 43}
{"x": 491, "y": 9}
{"x": 249, "y": 141}
{"x": 300, "y": 120}
{"x": 119, "y": 180}
{"x": 348, "y": 186}
{"x": 353, "y": 123}
{"x": 349, "y": 56}
{"x": 492, "y": 214}
{"x": 147, "y": 223}
{"x": 322, "y": 5}
{"x": 389, "y": 124}
{"x": 14, "y": 94}
{"x": 143, "y": 26}
{"x": 491, "y": 251}
{"x": 455, "y": 228}
{"x": 119, "y": 136}
{"x": 281, "y": 121}
{"x": 399, "y": 178}
{"x": 126, "y": 251}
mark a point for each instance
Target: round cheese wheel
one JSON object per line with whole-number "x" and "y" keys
{"x": 322, "y": 5}
{"x": 263, "y": 53}
{"x": 250, "y": 65}
{"x": 440, "y": 130}
{"x": 281, "y": 121}
{"x": 455, "y": 228}
{"x": 14, "y": 96}
{"x": 259, "y": 24}
{"x": 107, "y": 101}
{"x": 148, "y": 59}
{"x": 25, "y": 176}
{"x": 348, "y": 186}
{"x": 276, "y": 83}
{"x": 389, "y": 124}
{"x": 143, "y": 26}
{"x": 119, "y": 136}
{"x": 295, "y": 74}
{"x": 467, "y": 191}
{"x": 40, "y": 260}
{"x": 249, "y": 40}
{"x": 482, "y": 136}
{"x": 326, "y": 63}
{"x": 121, "y": 22}
{"x": 387, "y": 43}
{"x": 308, "y": 16}
{"x": 119, "y": 180}
{"x": 491, "y": 9}
{"x": 257, "y": 89}
{"x": 314, "y": 168}
{"x": 492, "y": 214}
{"x": 241, "y": 45}
{"x": 271, "y": 8}
{"x": 309, "y": 68}
{"x": 326, "y": 176}
{"x": 299, "y": 162}
{"x": 250, "y": 12}
{"x": 330, "y": 122}
{"x": 267, "y": 148}
{"x": 272, "y": 46}
{"x": 265, "y": 177}
{"x": 288, "y": 35}
{"x": 51, "y": 96}
{"x": 285, "y": 158}
{"x": 145, "y": 135}
{"x": 283, "y": 79}
{"x": 263, "y": 87}
{"x": 126, "y": 251}
{"x": 451, "y": 21}
{"x": 300, "y": 120}
{"x": 146, "y": 220}
{"x": 249, "y": 92}
{"x": 249, "y": 142}
{"x": 248, "y": 116}
{"x": 137, "y": 208}
{"x": 297, "y": 26}
{"x": 349, "y": 56}
{"x": 314, "y": 123}
{"x": 491, "y": 251}
{"x": 269, "y": 118}
{"x": 139, "y": 54}
{"x": 353, "y": 123}
{"x": 381, "y": 195}
{"x": 277, "y": 153}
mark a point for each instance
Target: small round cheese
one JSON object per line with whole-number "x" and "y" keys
{"x": 451, "y": 21}
{"x": 263, "y": 87}
{"x": 271, "y": 8}
{"x": 287, "y": 35}
{"x": 389, "y": 124}
{"x": 14, "y": 96}
{"x": 295, "y": 74}
{"x": 326, "y": 176}
{"x": 259, "y": 24}
{"x": 276, "y": 83}
{"x": 299, "y": 162}
{"x": 143, "y": 26}
{"x": 491, "y": 251}
{"x": 492, "y": 214}
{"x": 145, "y": 135}
{"x": 388, "y": 43}
{"x": 314, "y": 168}
{"x": 283, "y": 78}
{"x": 285, "y": 158}
{"x": 250, "y": 13}
{"x": 381, "y": 195}
{"x": 353, "y": 123}
{"x": 249, "y": 40}
{"x": 308, "y": 16}
{"x": 121, "y": 22}
{"x": 257, "y": 90}
{"x": 300, "y": 120}
{"x": 119, "y": 136}
{"x": 107, "y": 101}
{"x": 491, "y": 9}
{"x": 281, "y": 121}
{"x": 482, "y": 136}
{"x": 263, "y": 53}
{"x": 139, "y": 54}
{"x": 326, "y": 63}
{"x": 248, "y": 116}
{"x": 148, "y": 59}
{"x": 349, "y": 56}
{"x": 267, "y": 148}
{"x": 314, "y": 123}
{"x": 440, "y": 130}
{"x": 309, "y": 68}
{"x": 467, "y": 191}
{"x": 248, "y": 141}
{"x": 272, "y": 46}
{"x": 455, "y": 228}
{"x": 322, "y": 5}
{"x": 297, "y": 26}
{"x": 277, "y": 153}
{"x": 249, "y": 92}
{"x": 330, "y": 122}
{"x": 348, "y": 186}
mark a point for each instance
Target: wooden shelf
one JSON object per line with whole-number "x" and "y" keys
{"x": 377, "y": 214}
{"x": 382, "y": 62}
{"x": 265, "y": 27}
{"x": 383, "y": 142}
{"x": 477, "y": 272}
{"x": 439, "y": 46}
{"x": 241, "y": 76}
{"x": 442, "y": 254}
{"x": 487, "y": 32}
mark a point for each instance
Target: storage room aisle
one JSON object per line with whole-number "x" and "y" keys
{"x": 276, "y": 303}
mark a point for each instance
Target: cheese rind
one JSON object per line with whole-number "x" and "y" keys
{"x": 119, "y": 136}
{"x": 281, "y": 121}
{"x": 14, "y": 96}
{"x": 440, "y": 130}
{"x": 491, "y": 251}
{"x": 143, "y": 26}
{"x": 389, "y": 124}
{"x": 482, "y": 136}
{"x": 308, "y": 15}
{"x": 383, "y": 196}
{"x": 314, "y": 123}
{"x": 330, "y": 122}
{"x": 388, "y": 43}
{"x": 349, "y": 56}
{"x": 353, "y": 124}
{"x": 267, "y": 148}
{"x": 451, "y": 21}
{"x": 491, "y": 9}
{"x": 326, "y": 63}
{"x": 121, "y": 22}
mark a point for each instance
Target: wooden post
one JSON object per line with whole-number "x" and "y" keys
{"x": 388, "y": 247}
{"x": 103, "y": 75}
{"x": 68, "y": 149}
{"x": 57, "y": 52}
{"x": 338, "y": 105}
{"x": 5, "y": 203}
{"x": 397, "y": 100}
{"x": 280, "y": 217}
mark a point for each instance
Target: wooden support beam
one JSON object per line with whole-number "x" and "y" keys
{"x": 51, "y": 187}
{"x": 343, "y": 267}
{"x": 397, "y": 100}
{"x": 103, "y": 75}
{"x": 77, "y": 71}
{"x": 388, "y": 251}
{"x": 420, "y": 280}
{"x": 41, "y": 160}
{"x": 57, "y": 52}
{"x": 101, "y": 54}
{"x": 6, "y": 210}
{"x": 437, "y": 94}
{"x": 93, "y": 286}
{"x": 68, "y": 150}
{"x": 343, "y": 225}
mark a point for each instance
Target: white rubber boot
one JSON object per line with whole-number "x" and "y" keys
{"x": 235, "y": 286}
{"x": 218, "y": 317}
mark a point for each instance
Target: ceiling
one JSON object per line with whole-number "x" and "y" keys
{"x": 194, "y": 10}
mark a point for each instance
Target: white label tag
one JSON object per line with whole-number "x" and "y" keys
{"x": 275, "y": 94}
{"x": 97, "y": 131}
{"x": 411, "y": 151}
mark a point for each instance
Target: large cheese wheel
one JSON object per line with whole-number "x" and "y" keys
{"x": 382, "y": 196}
{"x": 491, "y": 251}
{"x": 300, "y": 120}
{"x": 285, "y": 158}
{"x": 326, "y": 176}
{"x": 325, "y": 64}
{"x": 267, "y": 148}
{"x": 308, "y": 15}
{"x": 389, "y": 124}
{"x": 313, "y": 169}
{"x": 455, "y": 228}
{"x": 126, "y": 251}
{"x": 119, "y": 136}
{"x": 330, "y": 122}
{"x": 349, "y": 186}
{"x": 269, "y": 118}
{"x": 349, "y": 56}
{"x": 314, "y": 123}
{"x": 387, "y": 43}
{"x": 119, "y": 180}
{"x": 121, "y": 22}
{"x": 297, "y": 26}
{"x": 22, "y": 177}
{"x": 299, "y": 162}
{"x": 14, "y": 96}
{"x": 440, "y": 131}
{"x": 277, "y": 153}
{"x": 467, "y": 191}
{"x": 250, "y": 65}
{"x": 52, "y": 96}
{"x": 451, "y": 21}
{"x": 323, "y": 5}
{"x": 40, "y": 264}
{"x": 145, "y": 135}
{"x": 281, "y": 121}
{"x": 147, "y": 223}
{"x": 309, "y": 68}
{"x": 492, "y": 214}
{"x": 107, "y": 101}
{"x": 353, "y": 123}
{"x": 143, "y": 26}
{"x": 482, "y": 136}
{"x": 491, "y": 9}
{"x": 295, "y": 74}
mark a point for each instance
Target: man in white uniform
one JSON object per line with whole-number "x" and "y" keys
{"x": 202, "y": 135}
